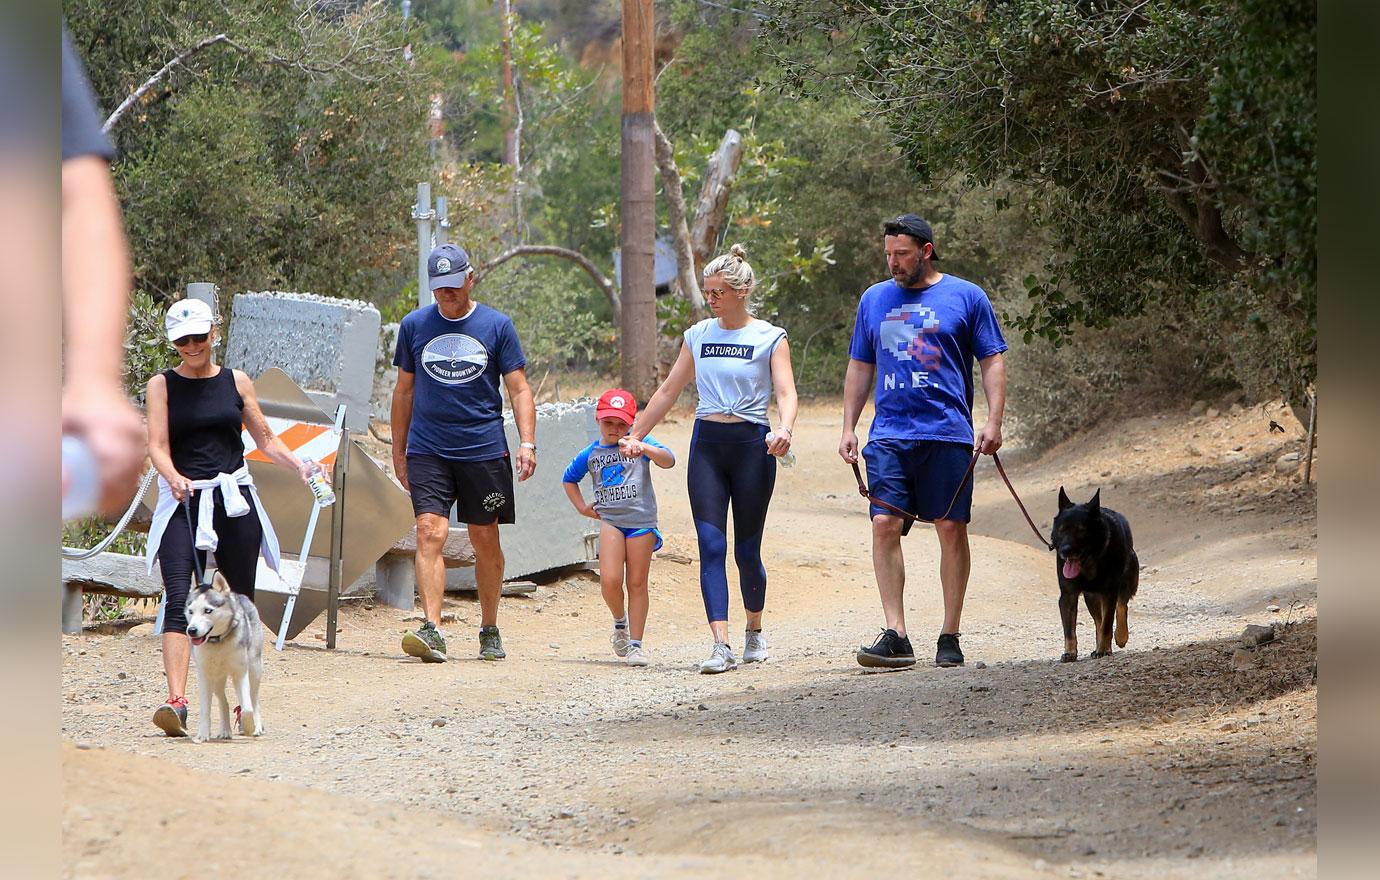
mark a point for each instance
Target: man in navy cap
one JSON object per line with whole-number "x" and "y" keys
{"x": 449, "y": 448}
{"x": 914, "y": 342}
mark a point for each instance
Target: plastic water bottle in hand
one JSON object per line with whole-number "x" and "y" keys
{"x": 320, "y": 484}
{"x": 81, "y": 477}
{"x": 786, "y": 460}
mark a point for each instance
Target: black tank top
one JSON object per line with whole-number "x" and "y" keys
{"x": 204, "y": 422}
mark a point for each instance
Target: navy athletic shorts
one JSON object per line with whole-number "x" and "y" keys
{"x": 481, "y": 491}
{"x": 920, "y": 477}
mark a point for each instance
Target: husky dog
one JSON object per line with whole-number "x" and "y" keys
{"x": 227, "y": 642}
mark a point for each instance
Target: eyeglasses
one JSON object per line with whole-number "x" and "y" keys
{"x": 191, "y": 337}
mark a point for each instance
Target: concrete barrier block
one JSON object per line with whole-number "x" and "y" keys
{"x": 327, "y": 345}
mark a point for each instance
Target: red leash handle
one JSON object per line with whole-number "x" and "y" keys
{"x": 972, "y": 465}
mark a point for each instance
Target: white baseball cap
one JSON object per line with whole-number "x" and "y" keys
{"x": 188, "y": 316}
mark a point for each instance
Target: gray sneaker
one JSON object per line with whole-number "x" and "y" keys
{"x": 719, "y": 661}
{"x": 425, "y": 642}
{"x": 620, "y": 641}
{"x": 490, "y": 644}
{"x": 754, "y": 647}
{"x": 637, "y": 656}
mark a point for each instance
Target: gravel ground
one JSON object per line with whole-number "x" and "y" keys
{"x": 1185, "y": 755}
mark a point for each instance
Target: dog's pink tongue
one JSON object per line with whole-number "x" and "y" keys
{"x": 1071, "y": 568}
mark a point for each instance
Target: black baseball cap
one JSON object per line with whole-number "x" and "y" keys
{"x": 448, "y": 266}
{"x": 913, "y": 225}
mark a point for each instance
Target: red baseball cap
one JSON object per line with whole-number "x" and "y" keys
{"x": 616, "y": 404}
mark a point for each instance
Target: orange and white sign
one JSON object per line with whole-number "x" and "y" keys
{"x": 317, "y": 442}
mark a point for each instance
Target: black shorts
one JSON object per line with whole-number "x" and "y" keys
{"x": 481, "y": 491}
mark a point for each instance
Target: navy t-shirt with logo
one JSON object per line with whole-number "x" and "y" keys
{"x": 923, "y": 342}
{"x": 457, "y": 410}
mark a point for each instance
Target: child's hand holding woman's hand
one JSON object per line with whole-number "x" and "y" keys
{"x": 631, "y": 447}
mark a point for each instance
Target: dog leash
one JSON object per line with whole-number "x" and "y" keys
{"x": 196, "y": 558}
{"x": 972, "y": 465}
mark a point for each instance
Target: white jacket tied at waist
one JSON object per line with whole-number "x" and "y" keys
{"x": 206, "y": 537}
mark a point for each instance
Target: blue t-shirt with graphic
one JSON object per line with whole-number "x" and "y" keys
{"x": 457, "y": 410}
{"x": 923, "y": 342}
{"x": 623, "y": 494}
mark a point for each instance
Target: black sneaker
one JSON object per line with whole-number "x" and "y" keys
{"x": 949, "y": 653}
{"x": 890, "y": 651}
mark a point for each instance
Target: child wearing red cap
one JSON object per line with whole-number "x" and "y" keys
{"x": 625, "y": 504}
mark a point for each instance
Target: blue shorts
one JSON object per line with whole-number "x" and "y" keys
{"x": 637, "y": 533}
{"x": 920, "y": 477}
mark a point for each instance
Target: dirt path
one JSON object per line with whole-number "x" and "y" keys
{"x": 1169, "y": 760}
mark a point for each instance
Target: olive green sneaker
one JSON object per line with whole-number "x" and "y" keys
{"x": 426, "y": 642}
{"x": 490, "y": 644}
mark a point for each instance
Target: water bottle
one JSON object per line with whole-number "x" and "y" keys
{"x": 787, "y": 460}
{"x": 320, "y": 484}
{"x": 82, "y": 475}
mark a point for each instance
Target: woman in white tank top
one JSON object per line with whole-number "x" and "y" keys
{"x": 738, "y": 362}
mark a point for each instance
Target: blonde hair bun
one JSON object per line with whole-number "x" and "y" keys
{"x": 734, "y": 267}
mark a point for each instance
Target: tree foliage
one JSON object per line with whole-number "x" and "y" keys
{"x": 282, "y": 157}
{"x": 1167, "y": 147}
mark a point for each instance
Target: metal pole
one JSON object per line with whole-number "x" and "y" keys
{"x": 442, "y": 220}
{"x": 423, "y": 214}
{"x": 342, "y": 464}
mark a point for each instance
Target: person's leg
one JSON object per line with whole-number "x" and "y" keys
{"x": 708, "y": 490}
{"x": 639, "y": 565}
{"x": 889, "y": 566}
{"x": 955, "y": 563}
{"x": 432, "y": 531}
{"x": 750, "y": 488}
{"x": 241, "y": 540}
{"x": 611, "y": 561}
{"x": 175, "y": 563}
{"x": 488, "y": 570}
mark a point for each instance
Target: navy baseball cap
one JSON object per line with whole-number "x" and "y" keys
{"x": 448, "y": 266}
{"x": 913, "y": 225}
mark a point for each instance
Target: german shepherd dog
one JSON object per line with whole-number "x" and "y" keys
{"x": 1095, "y": 558}
{"x": 227, "y": 643}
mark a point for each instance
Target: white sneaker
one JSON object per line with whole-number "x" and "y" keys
{"x": 754, "y": 647}
{"x": 719, "y": 661}
{"x": 637, "y": 656}
{"x": 620, "y": 641}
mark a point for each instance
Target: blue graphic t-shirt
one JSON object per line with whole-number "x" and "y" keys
{"x": 923, "y": 342}
{"x": 457, "y": 410}
{"x": 623, "y": 494}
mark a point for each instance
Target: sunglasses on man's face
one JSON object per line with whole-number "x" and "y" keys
{"x": 191, "y": 337}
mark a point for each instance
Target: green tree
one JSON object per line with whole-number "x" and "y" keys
{"x": 1168, "y": 147}
{"x": 279, "y": 156}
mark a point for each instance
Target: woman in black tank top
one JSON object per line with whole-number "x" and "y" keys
{"x": 195, "y": 414}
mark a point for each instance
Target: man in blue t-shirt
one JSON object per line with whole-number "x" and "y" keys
{"x": 449, "y": 448}
{"x": 913, "y": 347}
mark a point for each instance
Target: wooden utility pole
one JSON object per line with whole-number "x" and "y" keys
{"x": 638, "y": 204}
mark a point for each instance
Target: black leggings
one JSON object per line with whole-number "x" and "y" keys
{"x": 729, "y": 464}
{"x": 237, "y": 555}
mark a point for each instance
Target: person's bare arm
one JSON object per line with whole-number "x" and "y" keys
{"x": 787, "y": 402}
{"x": 269, "y": 443}
{"x": 994, "y": 389}
{"x": 160, "y": 446}
{"x": 525, "y": 417}
{"x": 95, "y": 299}
{"x": 660, "y": 455}
{"x": 577, "y": 498}
{"x": 400, "y": 422}
{"x": 682, "y": 371}
{"x": 857, "y": 382}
